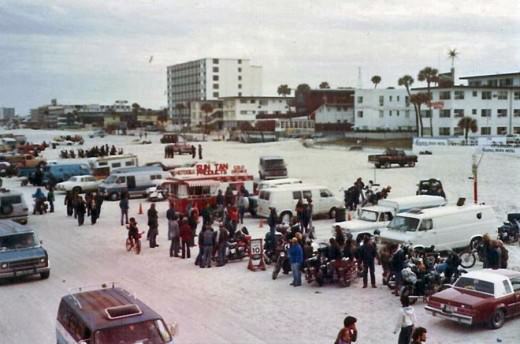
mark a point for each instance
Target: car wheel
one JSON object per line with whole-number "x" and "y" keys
{"x": 114, "y": 196}
{"x": 6, "y": 209}
{"x": 45, "y": 275}
{"x": 76, "y": 189}
{"x": 332, "y": 213}
{"x": 497, "y": 319}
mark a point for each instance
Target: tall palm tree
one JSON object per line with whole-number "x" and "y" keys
{"x": 324, "y": 84}
{"x": 284, "y": 90}
{"x": 207, "y": 108}
{"x": 407, "y": 81}
{"x": 304, "y": 88}
{"x": 452, "y": 55}
{"x": 430, "y": 75}
{"x": 467, "y": 123}
{"x": 376, "y": 79}
{"x": 418, "y": 99}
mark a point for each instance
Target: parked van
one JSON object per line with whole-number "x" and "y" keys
{"x": 272, "y": 167}
{"x": 102, "y": 167}
{"x": 109, "y": 315}
{"x": 380, "y": 215}
{"x": 13, "y": 206}
{"x": 266, "y": 184}
{"x": 133, "y": 181}
{"x": 61, "y": 172}
{"x": 446, "y": 227}
{"x": 21, "y": 253}
{"x": 284, "y": 199}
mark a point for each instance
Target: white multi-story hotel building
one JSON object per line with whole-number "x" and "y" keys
{"x": 383, "y": 109}
{"x": 245, "y": 109}
{"x": 209, "y": 79}
{"x": 493, "y": 100}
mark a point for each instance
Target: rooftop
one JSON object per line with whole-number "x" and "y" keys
{"x": 491, "y": 75}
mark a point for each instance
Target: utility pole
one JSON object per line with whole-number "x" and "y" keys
{"x": 474, "y": 169}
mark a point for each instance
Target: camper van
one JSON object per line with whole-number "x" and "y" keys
{"x": 109, "y": 314}
{"x": 133, "y": 181}
{"x": 380, "y": 215}
{"x": 61, "y": 172}
{"x": 446, "y": 228}
{"x": 284, "y": 199}
{"x": 104, "y": 166}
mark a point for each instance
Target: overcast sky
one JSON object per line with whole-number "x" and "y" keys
{"x": 98, "y": 51}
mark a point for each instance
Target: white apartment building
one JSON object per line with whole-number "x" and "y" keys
{"x": 199, "y": 117}
{"x": 493, "y": 100}
{"x": 245, "y": 109}
{"x": 209, "y": 79}
{"x": 383, "y": 109}
{"x": 6, "y": 114}
{"x": 334, "y": 113}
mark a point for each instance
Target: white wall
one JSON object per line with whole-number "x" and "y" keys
{"x": 247, "y": 108}
{"x": 328, "y": 113}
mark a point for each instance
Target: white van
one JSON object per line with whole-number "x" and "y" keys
{"x": 267, "y": 184}
{"x": 380, "y": 215}
{"x": 133, "y": 181}
{"x": 446, "y": 227}
{"x": 284, "y": 199}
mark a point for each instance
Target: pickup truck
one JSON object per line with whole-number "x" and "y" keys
{"x": 181, "y": 148}
{"x": 392, "y": 156}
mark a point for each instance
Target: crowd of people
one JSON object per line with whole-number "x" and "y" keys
{"x": 94, "y": 152}
{"x": 79, "y": 206}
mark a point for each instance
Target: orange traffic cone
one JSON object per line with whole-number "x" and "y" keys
{"x": 140, "y": 208}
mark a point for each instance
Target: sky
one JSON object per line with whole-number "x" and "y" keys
{"x": 98, "y": 51}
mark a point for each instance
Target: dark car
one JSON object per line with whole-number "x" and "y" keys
{"x": 106, "y": 315}
{"x": 21, "y": 253}
{"x": 272, "y": 167}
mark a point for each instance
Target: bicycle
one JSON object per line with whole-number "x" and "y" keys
{"x": 134, "y": 245}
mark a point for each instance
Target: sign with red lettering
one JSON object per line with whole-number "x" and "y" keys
{"x": 212, "y": 169}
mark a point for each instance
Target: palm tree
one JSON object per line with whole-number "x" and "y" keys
{"x": 407, "y": 82}
{"x": 324, "y": 84}
{"x": 452, "y": 55}
{"x": 418, "y": 99}
{"x": 430, "y": 75}
{"x": 376, "y": 79}
{"x": 467, "y": 124}
{"x": 207, "y": 108}
{"x": 284, "y": 90}
{"x": 303, "y": 88}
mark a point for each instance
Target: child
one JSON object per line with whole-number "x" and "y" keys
{"x": 133, "y": 231}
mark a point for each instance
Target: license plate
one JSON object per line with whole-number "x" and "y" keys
{"x": 24, "y": 272}
{"x": 449, "y": 309}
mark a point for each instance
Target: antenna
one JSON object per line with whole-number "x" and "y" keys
{"x": 360, "y": 79}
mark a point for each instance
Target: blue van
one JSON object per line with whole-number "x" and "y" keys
{"x": 62, "y": 172}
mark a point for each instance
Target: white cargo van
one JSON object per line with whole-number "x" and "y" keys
{"x": 284, "y": 199}
{"x": 266, "y": 184}
{"x": 380, "y": 215}
{"x": 133, "y": 181}
{"x": 447, "y": 227}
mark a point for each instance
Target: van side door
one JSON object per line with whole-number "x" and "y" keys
{"x": 426, "y": 234}
{"x": 130, "y": 183}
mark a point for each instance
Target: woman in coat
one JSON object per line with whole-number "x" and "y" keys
{"x": 186, "y": 238}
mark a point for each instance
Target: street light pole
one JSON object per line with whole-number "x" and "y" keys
{"x": 474, "y": 169}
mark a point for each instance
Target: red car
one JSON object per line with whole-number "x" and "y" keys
{"x": 483, "y": 296}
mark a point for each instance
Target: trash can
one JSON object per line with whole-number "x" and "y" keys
{"x": 341, "y": 214}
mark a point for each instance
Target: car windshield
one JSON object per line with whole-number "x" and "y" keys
{"x": 73, "y": 179}
{"x": 18, "y": 241}
{"x": 476, "y": 285}
{"x": 368, "y": 215}
{"x": 405, "y": 224}
{"x": 146, "y": 332}
{"x": 110, "y": 180}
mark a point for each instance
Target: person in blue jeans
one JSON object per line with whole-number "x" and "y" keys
{"x": 296, "y": 259}
{"x": 123, "y": 205}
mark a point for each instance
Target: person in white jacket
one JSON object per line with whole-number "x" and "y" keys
{"x": 405, "y": 321}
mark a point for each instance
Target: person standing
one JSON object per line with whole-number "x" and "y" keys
{"x": 368, "y": 254}
{"x": 222, "y": 239}
{"x": 153, "y": 226}
{"x": 200, "y": 152}
{"x": 397, "y": 265}
{"x": 193, "y": 221}
{"x": 98, "y": 197}
{"x": 296, "y": 258}
{"x": 93, "y": 211}
{"x": 208, "y": 241}
{"x": 419, "y": 335}
{"x": 174, "y": 236}
{"x": 81, "y": 209}
{"x": 406, "y": 320}
{"x": 68, "y": 202}
{"x": 271, "y": 222}
{"x": 243, "y": 205}
{"x": 186, "y": 238}
{"x": 193, "y": 151}
{"x": 123, "y": 205}
{"x": 348, "y": 334}
{"x": 88, "y": 201}
{"x": 50, "y": 198}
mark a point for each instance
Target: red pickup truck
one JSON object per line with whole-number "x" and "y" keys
{"x": 392, "y": 156}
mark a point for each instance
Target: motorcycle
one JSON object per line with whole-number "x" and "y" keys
{"x": 418, "y": 283}
{"x": 134, "y": 244}
{"x": 282, "y": 260}
{"x": 270, "y": 253}
{"x": 321, "y": 270}
{"x": 40, "y": 206}
{"x": 238, "y": 247}
{"x": 509, "y": 232}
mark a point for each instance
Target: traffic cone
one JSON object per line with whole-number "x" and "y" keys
{"x": 140, "y": 208}
{"x": 349, "y": 216}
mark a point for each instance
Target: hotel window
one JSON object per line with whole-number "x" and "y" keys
{"x": 485, "y": 113}
{"x": 458, "y": 113}
{"x": 517, "y": 96}
{"x": 444, "y": 113}
{"x": 458, "y": 131}
{"x": 407, "y": 100}
{"x": 516, "y": 130}
{"x": 243, "y": 112}
{"x": 215, "y": 94}
{"x": 240, "y": 77}
{"x": 239, "y": 69}
{"x": 215, "y": 86}
{"x": 444, "y": 131}
{"x": 445, "y": 95}
{"x": 215, "y": 69}
{"x": 407, "y": 114}
{"x": 458, "y": 95}
{"x": 381, "y": 100}
{"x": 381, "y": 114}
{"x": 501, "y": 112}
{"x": 485, "y": 131}
{"x": 486, "y": 94}
{"x": 397, "y": 113}
{"x": 398, "y": 98}
{"x": 390, "y": 113}
{"x": 475, "y": 94}
{"x": 215, "y": 77}
{"x": 215, "y": 61}
{"x": 516, "y": 112}
{"x": 239, "y": 61}
{"x": 501, "y": 130}
{"x": 360, "y": 114}
{"x": 240, "y": 94}
{"x": 474, "y": 111}
{"x": 239, "y": 86}
{"x": 360, "y": 100}
{"x": 390, "y": 98}
{"x": 502, "y": 95}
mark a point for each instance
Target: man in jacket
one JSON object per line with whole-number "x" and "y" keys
{"x": 174, "y": 235}
{"x": 81, "y": 209}
{"x": 153, "y": 226}
{"x": 123, "y": 205}
{"x": 207, "y": 241}
{"x": 222, "y": 239}
{"x": 186, "y": 237}
{"x": 296, "y": 258}
{"x": 368, "y": 254}
{"x": 397, "y": 265}
{"x": 98, "y": 198}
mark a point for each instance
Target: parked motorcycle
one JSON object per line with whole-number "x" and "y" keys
{"x": 509, "y": 232}
{"x": 282, "y": 260}
{"x": 238, "y": 246}
{"x": 270, "y": 245}
{"x": 321, "y": 270}
{"x": 470, "y": 255}
{"x": 419, "y": 282}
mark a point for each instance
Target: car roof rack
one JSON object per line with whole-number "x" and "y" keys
{"x": 109, "y": 285}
